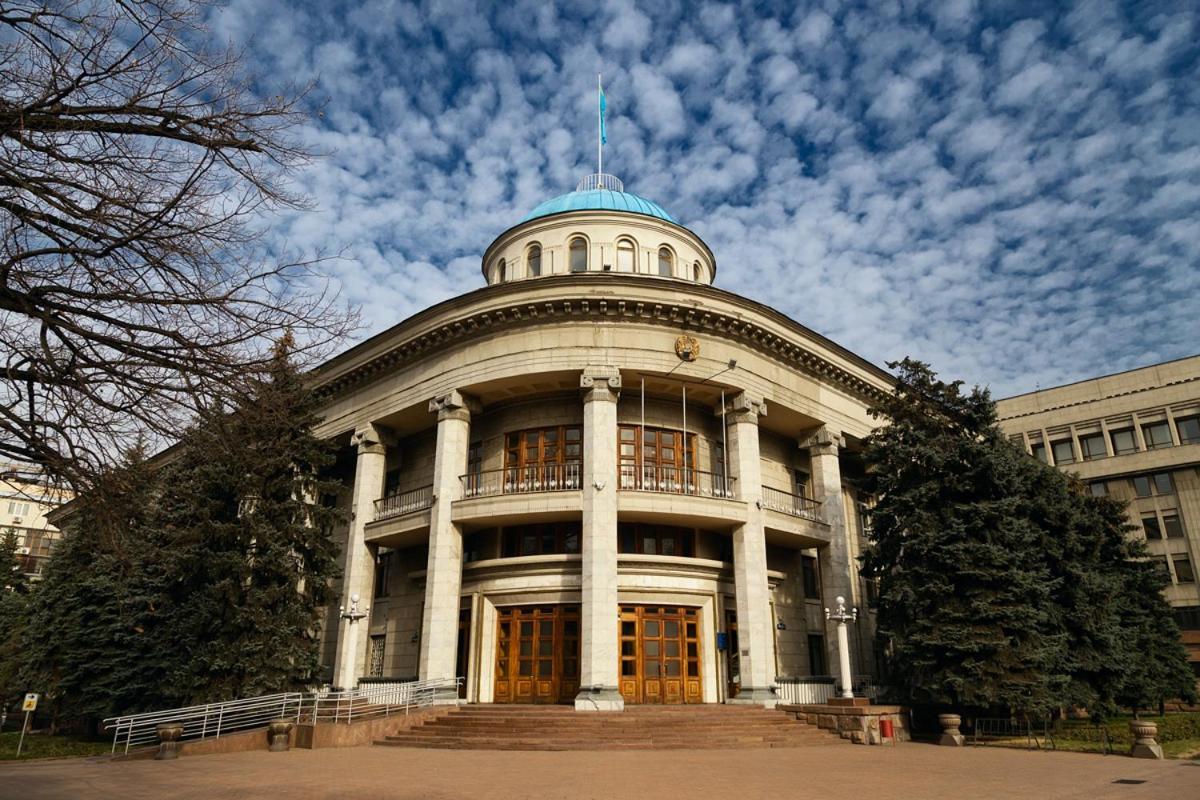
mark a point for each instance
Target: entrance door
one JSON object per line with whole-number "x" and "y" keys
{"x": 660, "y": 655}
{"x": 537, "y": 654}
{"x": 733, "y": 654}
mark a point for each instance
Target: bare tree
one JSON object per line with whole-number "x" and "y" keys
{"x": 137, "y": 165}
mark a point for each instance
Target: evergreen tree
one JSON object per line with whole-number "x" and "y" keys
{"x": 14, "y": 601}
{"x": 964, "y": 591}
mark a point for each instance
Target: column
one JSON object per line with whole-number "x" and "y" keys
{"x": 837, "y": 568}
{"x": 599, "y": 689}
{"x": 756, "y": 636}
{"x": 443, "y": 575}
{"x": 358, "y": 568}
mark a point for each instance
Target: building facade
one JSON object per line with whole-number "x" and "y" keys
{"x": 25, "y": 500}
{"x": 598, "y": 480}
{"x": 1134, "y": 436}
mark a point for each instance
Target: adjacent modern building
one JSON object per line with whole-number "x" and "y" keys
{"x": 25, "y": 500}
{"x": 599, "y": 480}
{"x": 1136, "y": 436}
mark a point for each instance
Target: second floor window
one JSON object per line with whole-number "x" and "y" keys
{"x": 1149, "y": 485}
{"x": 562, "y": 444}
{"x": 1157, "y": 434}
{"x": 555, "y": 538}
{"x": 1038, "y": 450}
{"x": 1123, "y": 442}
{"x": 656, "y": 540}
{"x": 1189, "y": 430}
{"x": 655, "y": 459}
{"x": 1064, "y": 452}
{"x": 1092, "y": 446}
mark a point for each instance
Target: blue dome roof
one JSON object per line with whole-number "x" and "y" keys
{"x": 599, "y": 200}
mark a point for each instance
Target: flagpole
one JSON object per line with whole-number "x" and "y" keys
{"x": 599, "y": 128}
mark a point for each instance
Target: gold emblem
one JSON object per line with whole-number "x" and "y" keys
{"x": 687, "y": 348}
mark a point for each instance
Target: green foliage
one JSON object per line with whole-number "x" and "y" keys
{"x": 14, "y": 599}
{"x": 1003, "y": 585}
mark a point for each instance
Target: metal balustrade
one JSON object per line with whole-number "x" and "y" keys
{"x": 523, "y": 480}
{"x": 788, "y": 503}
{"x": 674, "y": 480}
{"x": 395, "y": 505}
{"x": 212, "y": 720}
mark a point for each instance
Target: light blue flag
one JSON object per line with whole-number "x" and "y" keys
{"x": 603, "y": 110}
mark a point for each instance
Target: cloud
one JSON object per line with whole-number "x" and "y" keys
{"x": 1009, "y": 193}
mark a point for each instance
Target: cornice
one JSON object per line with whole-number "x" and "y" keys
{"x": 577, "y": 304}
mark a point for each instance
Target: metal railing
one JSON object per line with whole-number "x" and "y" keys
{"x": 1031, "y": 734}
{"x": 394, "y": 505}
{"x": 674, "y": 480}
{"x": 523, "y": 480}
{"x": 600, "y": 180}
{"x": 810, "y": 691}
{"x": 208, "y": 721}
{"x": 788, "y": 503}
{"x": 213, "y": 720}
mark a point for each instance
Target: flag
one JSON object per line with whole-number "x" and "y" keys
{"x": 603, "y": 110}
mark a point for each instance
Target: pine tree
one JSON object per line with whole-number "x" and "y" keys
{"x": 14, "y": 602}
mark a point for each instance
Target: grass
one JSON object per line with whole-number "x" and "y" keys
{"x": 39, "y": 745}
{"x": 1177, "y": 734}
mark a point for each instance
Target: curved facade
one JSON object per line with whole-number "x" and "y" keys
{"x": 603, "y": 486}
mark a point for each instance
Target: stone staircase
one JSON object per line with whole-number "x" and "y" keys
{"x": 513, "y": 727}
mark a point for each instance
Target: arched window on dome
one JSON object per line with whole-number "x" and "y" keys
{"x": 578, "y": 254}
{"x": 500, "y": 272}
{"x": 535, "y": 260}
{"x": 626, "y": 255}
{"x": 666, "y": 266}
{"x": 696, "y": 272}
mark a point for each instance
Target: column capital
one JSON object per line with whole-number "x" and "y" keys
{"x": 824, "y": 441}
{"x": 745, "y": 407}
{"x": 454, "y": 405}
{"x": 373, "y": 438}
{"x": 600, "y": 383}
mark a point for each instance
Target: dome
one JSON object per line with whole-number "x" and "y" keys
{"x": 599, "y": 193}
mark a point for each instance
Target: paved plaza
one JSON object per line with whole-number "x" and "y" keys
{"x": 917, "y": 771}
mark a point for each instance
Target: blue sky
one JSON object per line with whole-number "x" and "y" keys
{"x": 1006, "y": 190}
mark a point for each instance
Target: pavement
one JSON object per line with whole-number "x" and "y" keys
{"x": 910, "y": 770}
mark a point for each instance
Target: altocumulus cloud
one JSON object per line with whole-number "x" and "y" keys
{"x": 1009, "y": 191}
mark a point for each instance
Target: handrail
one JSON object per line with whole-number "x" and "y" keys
{"x": 394, "y": 505}
{"x": 795, "y": 504}
{"x": 523, "y": 480}
{"x": 674, "y": 480}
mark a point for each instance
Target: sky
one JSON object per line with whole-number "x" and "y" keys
{"x": 1009, "y": 191}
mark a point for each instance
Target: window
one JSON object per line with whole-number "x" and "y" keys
{"x": 1123, "y": 441}
{"x": 1172, "y": 526}
{"x": 808, "y": 569}
{"x": 1091, "y": 446}
{"x": 18, "y": 509}
{"x": 543, "y": 457}
{"x": 554, "y": 538}
{"x": 535, "y": 261}
{"x": 816, "y": 654}
{"x": 655, "y": 540}
{"x": 721, "y": 487}
{"x": 1189, "y": 430}
{"x": 1162, "y": 483}
{"x": 666, "y": 267}
{"x": 474, "y": 468}
{"x": 1038, "y": 451}
{"x": 1151, "y": 527}
{"x": 1064, "y": 453}
{"x": 1183, "y": 570}
{"x": 1098, "y": 488}
{"x": 1148, "y": 485}
{"x": 383, "y": 572}
{"x": 1188, "y": 618}
{"x": 500, "y": 272}
{"x": 661, "y": 464}
{"x": 578, "y": 255}
{"x": 1157, "y": 434}
{"x": 696, "y": 272}
{"x": 625, "y": 256}
{"x": 375, "y": 660}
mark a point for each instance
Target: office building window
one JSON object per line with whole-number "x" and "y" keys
{"x": 1092, "y": 446}
{"x": 1189, "y": 430}
{"x": 1188, "y": 618}
{"x": 383, "y": 572}
{"x": 1123, "y": 441}
{"x": 1162, "y": 483}
{"x": 1098, "y": 488}
{"x": 1064, "y": 453}
{"x": 18, "y": 509}
{"x": 816, "y": 654}
{"x": 375, "y": 659}
{"x": 1172, "y": 526}
{"x": 1183, "y": 570}
{"x": 1148, "y": 485}
{"x": 1038, "y": 450}
{"x": 1151, "y": 527}
{"x": 1157, "y": 434}
{"x": 812, "y": 584}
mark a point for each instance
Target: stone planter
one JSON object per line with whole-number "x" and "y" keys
{"x": 277, "y": 735}
{"x": 951, "y": 736}
{"x": 1144, "y": 743}
{"x": 169, "y": 734}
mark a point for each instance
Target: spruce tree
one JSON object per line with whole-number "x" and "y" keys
{"x": 14, "y": 602}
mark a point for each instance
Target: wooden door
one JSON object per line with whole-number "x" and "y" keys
{"x": 537, "y": 654}
{"x": 660, "y": 655}
{"x": 660, "y": 464}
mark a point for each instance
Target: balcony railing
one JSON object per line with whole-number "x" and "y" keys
{"x": 795, "y": 504}
{"x": 674, "y": 480}
{"x": 523, "y": 480}
{"x": 395, "y": 505}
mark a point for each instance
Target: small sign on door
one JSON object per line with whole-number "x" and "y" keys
{"x": 30, "y": 703}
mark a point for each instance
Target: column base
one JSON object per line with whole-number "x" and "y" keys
{"x": 952, "y": 740}
{"x": 1146, "y": 751}
{"x": 755, "y": 696}
{"x": 602, "y": 698}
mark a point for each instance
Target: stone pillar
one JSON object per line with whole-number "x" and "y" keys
{"x": 599, "y": 689}
{"x": 837, "y": 569}
{"x": 756, "y": 635}
{"x": 443, "y": 576}
{"x": 358, "y": 568}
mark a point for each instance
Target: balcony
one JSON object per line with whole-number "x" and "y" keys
{"x": 795, "y": 505}
{"x": 528, "y": 479}
{"x": 396, "y": 505}
{"x": 674, "y": 480}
